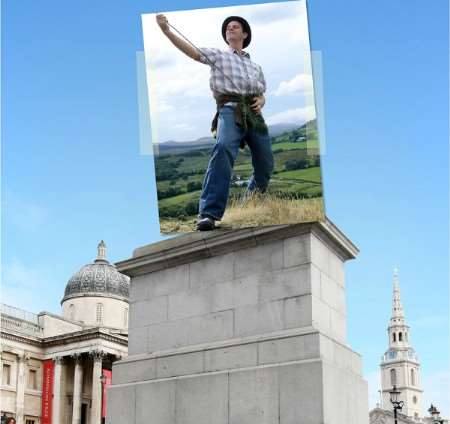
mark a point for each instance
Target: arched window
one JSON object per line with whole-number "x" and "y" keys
{"x": 413, "y": 378}
{"x": 406, "y": 336}
{"x": 400, "y": 336}
{"x": 72, "y": 311}
{"x": 125, "y": 317}
{"x": 393, "y": 337}
{"x": 393, "y": 377}
{"x": 99, "y": 314}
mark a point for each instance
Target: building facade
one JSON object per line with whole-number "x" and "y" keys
{"x": 55, "y": 369}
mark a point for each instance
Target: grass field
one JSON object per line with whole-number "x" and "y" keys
{"x": 313, "y": 144}
{"x": 311, "y": 174}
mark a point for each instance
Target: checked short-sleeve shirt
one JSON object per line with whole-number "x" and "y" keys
{"x": 247, "y": 77}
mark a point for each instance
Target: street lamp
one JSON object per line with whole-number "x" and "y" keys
{"x": 435, "y": 415}
{"x": 398, "y": 404}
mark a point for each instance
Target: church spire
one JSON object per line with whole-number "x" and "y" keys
{"x": 400, "y": 365}
{"x": 398, "y": 316}
{"x": 397, "y": 330}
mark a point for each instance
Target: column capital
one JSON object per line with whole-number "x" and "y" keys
{"x": 77, "y": 358}
{"x": 58, "y": 360}
{"x": 24, "y": 357}
{"x": 97, "y": 355}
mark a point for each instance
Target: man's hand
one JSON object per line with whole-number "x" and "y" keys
{"x": 162, "y": 22}
{"x": 180, "y": 44}
{"x": 258, "y": 103}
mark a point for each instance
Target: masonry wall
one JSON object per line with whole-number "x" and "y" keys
{"x": 296, "y": 282}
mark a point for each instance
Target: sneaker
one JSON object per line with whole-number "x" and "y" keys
{"x": 205, "y": 224}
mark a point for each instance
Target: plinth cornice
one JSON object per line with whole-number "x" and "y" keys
{"x": 192, "y": 247}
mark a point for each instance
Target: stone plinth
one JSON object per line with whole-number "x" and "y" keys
{"x": 239, "y": 327}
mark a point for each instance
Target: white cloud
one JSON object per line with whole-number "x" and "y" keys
{"x": 189, "y": 84}
{"x": 292, "y": 116}
{"x": 163, "y": 106}
{"x": 301, "y": 83}
{"x": 184, "y": 127}
{"x": 273, "y": 13}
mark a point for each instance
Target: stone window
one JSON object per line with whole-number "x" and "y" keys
{"x": 6, "y": 375}
{"x": 413, "y": 378}
{"x": 72, "y": 311}
{"x": 393, "y": 337}
{"x": 415, "y": 399}
{"x": 400, "y": 336}
{"x": 99, "y": 315}
{"x": 32, "y": 379}
{"x": 393, "y": 377}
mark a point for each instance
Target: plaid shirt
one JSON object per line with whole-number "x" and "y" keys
{"x": 247, "y": 76}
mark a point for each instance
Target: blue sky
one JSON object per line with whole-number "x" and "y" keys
{"x": 72, "y": 172}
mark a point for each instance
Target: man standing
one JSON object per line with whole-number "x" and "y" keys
{"x": 237, "y": 85}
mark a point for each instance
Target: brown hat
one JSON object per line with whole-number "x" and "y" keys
{"x": 245, "y": 28}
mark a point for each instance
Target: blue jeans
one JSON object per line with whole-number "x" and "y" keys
{"x": 216, "y": 184}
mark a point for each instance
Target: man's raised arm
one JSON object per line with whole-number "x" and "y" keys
{"x": 182, "y": 45}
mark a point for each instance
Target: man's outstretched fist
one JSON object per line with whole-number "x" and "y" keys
{"x": 162, "y": 22}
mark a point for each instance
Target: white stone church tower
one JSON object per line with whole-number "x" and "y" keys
{"x": 400, "y": 365}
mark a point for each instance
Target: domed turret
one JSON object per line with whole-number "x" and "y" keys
{"x": 97, "y": 294}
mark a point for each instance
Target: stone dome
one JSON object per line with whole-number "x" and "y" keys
{"x": 99, "y": 278}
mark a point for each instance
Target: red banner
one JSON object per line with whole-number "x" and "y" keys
{"x": 47, "y": 391}
{"x": 107, "y": 374}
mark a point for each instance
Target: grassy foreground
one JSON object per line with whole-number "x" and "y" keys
{"x": 258, "y": 210}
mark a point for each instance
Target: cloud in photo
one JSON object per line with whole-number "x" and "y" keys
{"x": 273, "y": 13}
{"x": 292, "y": 116}
{"x": 301, "y": 83}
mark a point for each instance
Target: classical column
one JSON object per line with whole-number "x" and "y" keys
{"x": 96, "y": 405}
{"x": 77, "y": 388}
{"x": 56, "y": 406}
{"x": 21, "y": 383}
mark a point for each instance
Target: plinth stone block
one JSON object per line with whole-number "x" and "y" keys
{"x": 245, "y": 326}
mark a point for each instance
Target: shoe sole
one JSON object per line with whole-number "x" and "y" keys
{"x": 205, "y": 228}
